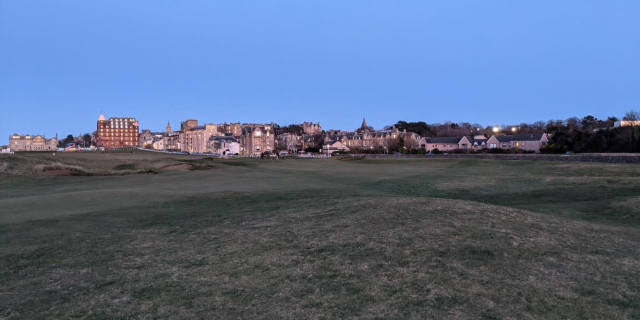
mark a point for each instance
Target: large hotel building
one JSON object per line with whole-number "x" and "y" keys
{"x": 117, "y": 132}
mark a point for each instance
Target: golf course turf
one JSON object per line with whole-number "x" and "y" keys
{"x": 149, "y": 235}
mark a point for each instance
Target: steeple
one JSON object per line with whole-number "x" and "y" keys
{"x": 168, "y": 127}
{"x": 364, "y": 127}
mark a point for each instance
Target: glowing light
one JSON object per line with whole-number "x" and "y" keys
{"x": 496, "y": 129}
{"x": 514, "y": 129}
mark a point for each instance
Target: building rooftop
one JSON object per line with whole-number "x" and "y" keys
{"x": 444, "y": 140}
{"x": 520, "y": 137}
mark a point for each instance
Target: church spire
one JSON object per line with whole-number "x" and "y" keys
{"x": 364, "y": 127}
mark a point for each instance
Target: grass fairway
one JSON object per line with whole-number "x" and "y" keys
{"x": 146, "y": 235}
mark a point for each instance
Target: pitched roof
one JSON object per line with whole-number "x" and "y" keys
{"x": 451, "y": 140}
{"x": 520, "y": 137}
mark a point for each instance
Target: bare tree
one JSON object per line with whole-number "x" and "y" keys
{"x": 539, "y": 125}
{"x": 573, "y": 123}
{"x": 631, "y": 115}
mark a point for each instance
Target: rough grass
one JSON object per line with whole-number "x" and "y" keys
{"x": 324, "y": 239}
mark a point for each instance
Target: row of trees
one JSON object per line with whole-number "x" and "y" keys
{"x": 84, "y": 140}
{"x": 593, "y": 135}
{"x": 588, "y": 134}
{"x": 452, "y": 129}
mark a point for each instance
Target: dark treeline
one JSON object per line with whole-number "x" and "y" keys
{"x": 588, "y": 134}
{"x": 83, "y": 140}
{"x": 592, "y": 135}
{"x": 292, "y": 128}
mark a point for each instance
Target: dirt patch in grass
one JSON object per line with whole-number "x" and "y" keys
{"x": 202, "y": 163}
{"x": 177, "y": 167}
{"x": 125, "y": 166}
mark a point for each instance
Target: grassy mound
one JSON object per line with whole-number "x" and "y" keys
{"x": 325, "y": 239}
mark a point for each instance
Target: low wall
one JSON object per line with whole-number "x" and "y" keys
{"x": 593, "y": 157}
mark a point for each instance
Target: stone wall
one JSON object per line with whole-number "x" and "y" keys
{"x": 594, "y": 157}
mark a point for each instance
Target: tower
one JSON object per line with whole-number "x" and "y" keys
{"x": 364, "y": 127}
{"x": 168, "y": 130}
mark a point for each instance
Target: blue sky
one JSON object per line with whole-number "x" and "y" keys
{"x": 333, "y": 62}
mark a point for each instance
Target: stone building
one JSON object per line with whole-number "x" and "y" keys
{"x": 289, "y": 141}
{"x": 226, "y": 145}
{"x": 117, "y": 132}
{"x": 32, "y": 143}
{"x": 188, "y": 124}
{"x": 167, "y": 140}
{"x": 230, "y": 129}
{"x": 332, "y": 146}
{"x": 626, "y": 123}
{"x": 196, "y": 139}
{"x": 147, "y": 138}
{"x": 172, "y": 141}
{"x": 256, "y": 139}
{"x": 529, "y": 142}
{"x": 367, "y": 139}
{"x": 192, "y": 138}
{"x": 311, "y": 128}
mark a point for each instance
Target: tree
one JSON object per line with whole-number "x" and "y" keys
{"x": 68, "y": 139}
{"x": 631, "y": 115}
{"x": 292, "y": 128}
{"x": 589, "y": 123}
{"x": 573, "y": 123}
{"x": 539, "y": 125}
{"x": 421, "y": 128}
{"x": 86, "y": 138}
{"x": 610, "y": 122}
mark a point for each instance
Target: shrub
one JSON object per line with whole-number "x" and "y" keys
{"x": 312, "y": 149}
{"x": 496, "y": 151}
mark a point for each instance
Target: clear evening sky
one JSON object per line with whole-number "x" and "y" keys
{"x": 333, "y": 62}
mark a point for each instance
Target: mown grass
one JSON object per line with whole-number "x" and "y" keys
{"x": 325, "y": 239}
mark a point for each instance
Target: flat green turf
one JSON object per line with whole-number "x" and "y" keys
{"x": 316, "y": 238}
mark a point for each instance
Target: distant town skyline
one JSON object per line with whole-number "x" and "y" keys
{"x": 492, "y": 63}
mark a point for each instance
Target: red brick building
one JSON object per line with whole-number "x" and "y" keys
{"x": 117, "y": 132}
